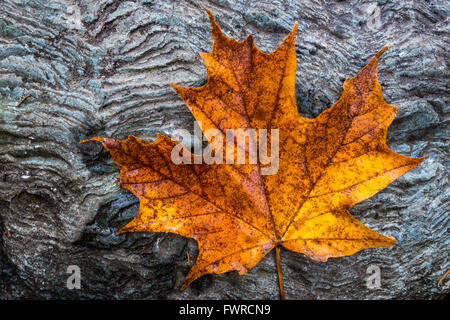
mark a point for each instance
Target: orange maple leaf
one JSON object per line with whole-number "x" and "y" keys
{"x": 234, "y": 212}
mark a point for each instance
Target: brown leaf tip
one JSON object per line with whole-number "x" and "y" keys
{"x": 215, "y": 29}
{"x": 295, "y": 28}
{"x": 99, "y": 139}
{"x": 390, "y": 240}
{"x": 210, "y": 15}
{"x": 120, "y": 231}
{"x": 107, "y": 142}
{"x": 380, "y": 53}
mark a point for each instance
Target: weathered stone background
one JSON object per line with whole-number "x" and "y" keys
{"x": 102, "y": 67}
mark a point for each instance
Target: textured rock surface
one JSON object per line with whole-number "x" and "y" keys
{"x": 103, "y": 68}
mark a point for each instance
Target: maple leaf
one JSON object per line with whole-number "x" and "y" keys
{"x": 236, "y": 214}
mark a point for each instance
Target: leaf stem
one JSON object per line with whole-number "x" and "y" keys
{"x": 280, "y": 277}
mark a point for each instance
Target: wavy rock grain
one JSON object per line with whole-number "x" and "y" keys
{"x": 103, "y": 68}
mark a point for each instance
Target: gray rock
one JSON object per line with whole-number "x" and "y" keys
{"x": 103, "y": 68}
